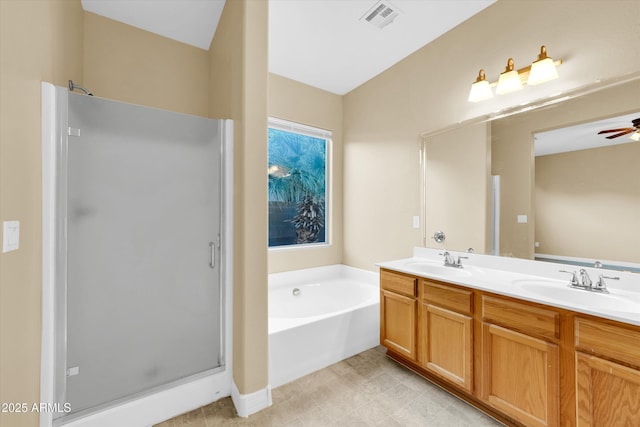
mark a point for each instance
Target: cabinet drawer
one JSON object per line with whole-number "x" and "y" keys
{"x": 617, "y": 342}
{"x": 398, "y": 283}
{"x": 525, "y": 318}
{"x": 450, "y": 297}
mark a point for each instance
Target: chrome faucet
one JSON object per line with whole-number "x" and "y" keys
{"x": 585, "y": 279}
{"x": 574, "y": 282}
{"x": 581, "y": 280}
{"x": 601, "y": 286}
{"x": 450, "y": 261}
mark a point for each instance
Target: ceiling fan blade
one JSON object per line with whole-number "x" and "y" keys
{"x": 621, "y": 133}
{"x": 613, "y": 130}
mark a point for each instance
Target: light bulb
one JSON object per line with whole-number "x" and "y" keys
{"x": 509, "y": 79}
{"x": 480, "y": 89}
{"x": 543, "y": 69}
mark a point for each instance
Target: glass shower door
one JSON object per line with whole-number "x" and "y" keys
{"x": 143, "y": 291}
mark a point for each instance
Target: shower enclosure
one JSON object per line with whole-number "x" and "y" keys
{"x": 137, "y": 224}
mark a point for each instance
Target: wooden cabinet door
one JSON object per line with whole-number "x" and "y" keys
{"x": 447, "y": 344}
{"x": 608, "y": 394}
{"x": 398, "y": 323}
{"x": 520, "y": 376}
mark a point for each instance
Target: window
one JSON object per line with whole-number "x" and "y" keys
{"x": 297, "y": 184}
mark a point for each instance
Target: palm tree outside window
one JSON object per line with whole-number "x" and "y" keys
{"x": 297, "y": 184}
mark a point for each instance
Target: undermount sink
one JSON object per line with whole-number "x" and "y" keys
{"x": 438, "y": 269}
{"x": 559, "y": 291}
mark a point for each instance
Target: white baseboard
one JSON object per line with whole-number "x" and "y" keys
{"x": 160, "y": 406}
{"x": 247, "y": 404}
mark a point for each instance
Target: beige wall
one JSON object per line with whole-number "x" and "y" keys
{"x": 428, "y": 90}
{"x": 304, "y": 104}
{"x": 588, "y": 202}
{"x": 44, "y": 40}
{"x": 238, "y": 61}
{"x": 127, "y": 64}
{"x": 56, "y": 41}
{"x": 457, "y": 188}
{"x": 512, "y": 157}
{"x": 251, "y": 359}
{"x": 228, "y": 81}
{"x": 39, "y": 40}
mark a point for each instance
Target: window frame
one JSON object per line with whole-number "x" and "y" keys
{"x": 327, "y": 136}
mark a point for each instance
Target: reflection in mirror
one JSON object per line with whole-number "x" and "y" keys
{"x": 456, "y": 188}
{"x": 602, "y": 223}
{"x": 584, "y": 181}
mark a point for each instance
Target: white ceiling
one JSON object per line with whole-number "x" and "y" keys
{"x": 192, "y": 22}
{"x": 321, "y": 43}
{"x": 583, "y": 136}
{"x": 324, "y": 44}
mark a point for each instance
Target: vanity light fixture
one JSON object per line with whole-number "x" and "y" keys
{"x": 480, "y": 89}
{"x": 509, "y": 80}
{"x": 543, "y": 69}
{"x": 635, "y": 136}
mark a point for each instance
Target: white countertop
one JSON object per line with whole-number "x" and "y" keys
{"x": 535, "y": 281}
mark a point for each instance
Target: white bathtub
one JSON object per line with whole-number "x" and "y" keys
{"x": 335, "y": 314}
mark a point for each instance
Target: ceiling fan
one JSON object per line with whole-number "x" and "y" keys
{"x": 623, "y": 131}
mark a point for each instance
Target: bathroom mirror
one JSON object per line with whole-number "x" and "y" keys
{"x": 576, "y": 205}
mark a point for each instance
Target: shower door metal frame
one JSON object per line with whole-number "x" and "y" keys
{"x": 55, "y": 134}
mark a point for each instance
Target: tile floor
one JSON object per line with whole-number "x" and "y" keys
{"x": 368, "y": 389}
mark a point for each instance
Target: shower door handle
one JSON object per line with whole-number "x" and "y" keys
{"x": 212, "y": 255}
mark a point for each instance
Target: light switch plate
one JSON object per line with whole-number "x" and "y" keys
{"x": 522, "y": 219}
{"x": 416, "y": 221}
{"x": 10, "y": 236}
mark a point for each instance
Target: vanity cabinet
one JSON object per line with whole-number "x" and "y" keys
{"x": 398, "y": 313}
{"x": 446, "y": 332}
{"x": 520, "y": 360}
{"x": 607, "y": 373}
{"x": 524, "y": 363}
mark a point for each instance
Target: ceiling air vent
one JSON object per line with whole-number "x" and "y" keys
{"x": 381, "y": 14}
